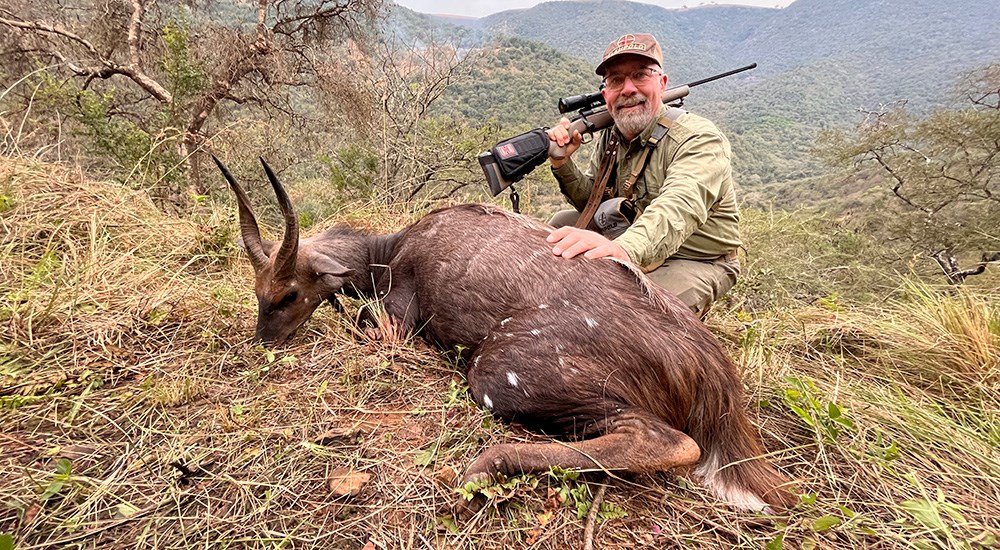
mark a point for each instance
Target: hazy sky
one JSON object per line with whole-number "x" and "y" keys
{"x": 481, "y": 8}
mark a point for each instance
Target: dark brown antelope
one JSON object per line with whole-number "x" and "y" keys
{"x": 586, "y": 349}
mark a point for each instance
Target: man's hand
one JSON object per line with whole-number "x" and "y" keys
{"x": 560, "y": 134}
{"x": 571, "y": 241}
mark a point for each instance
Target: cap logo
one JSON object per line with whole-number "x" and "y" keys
{"x": 626, "y": 40}
{"x": 625, "y": 44}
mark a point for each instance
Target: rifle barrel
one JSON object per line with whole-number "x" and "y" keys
{"x": 723, "y": 75}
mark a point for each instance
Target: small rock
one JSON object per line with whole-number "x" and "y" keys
{"x": 347, "y": 482}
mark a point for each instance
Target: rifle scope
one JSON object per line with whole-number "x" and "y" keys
{"x": 582, "y": 101}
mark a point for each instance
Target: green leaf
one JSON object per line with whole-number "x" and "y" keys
{"x": 449, "y": 523}
{"x": 776, "y": 543}
{"x": 925, "y": 513}
{"x": 63, "y": 469}
{"x": 847, "y": 511}
{"x": 825, "y": 522}
{"x": 425, "y": 458}
{"x": 609, "y": 511}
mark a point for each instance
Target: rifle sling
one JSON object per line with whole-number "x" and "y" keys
{"x": 608, "y": 162}
{"x": 663, "y": 125}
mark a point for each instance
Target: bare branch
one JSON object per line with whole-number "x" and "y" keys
{"x": 108, "y": 67}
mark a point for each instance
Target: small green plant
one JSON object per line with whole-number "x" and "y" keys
{"x": 59, "y": 480}
{"x": 427, "y": 456}
{"x": 828, "y": 421}
{"x": 575, "y": 493}
{"x": 831, "y": 302}
{"x": 941, "y": 519}
{"x": 457, "y": 393}
{"x": 271, "y": 359}
{"x": 499, "y": 488}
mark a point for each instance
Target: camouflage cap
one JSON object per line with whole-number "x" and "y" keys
{"x": 644, "y": 45}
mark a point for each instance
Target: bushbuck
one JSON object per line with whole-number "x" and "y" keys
{"x": 589, "y": 350}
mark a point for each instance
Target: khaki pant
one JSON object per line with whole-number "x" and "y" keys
{"x": 696, "y": 283}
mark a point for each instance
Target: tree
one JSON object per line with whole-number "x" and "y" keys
{"x": 943, "y": 173}
{"x": 423, "y": 157}
{"x": 146, "y": 76}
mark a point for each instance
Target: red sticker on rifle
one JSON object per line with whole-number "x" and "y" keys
{"x": 506, "y": 150}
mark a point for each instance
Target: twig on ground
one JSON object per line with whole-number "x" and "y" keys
{"x": 595, "y": 507}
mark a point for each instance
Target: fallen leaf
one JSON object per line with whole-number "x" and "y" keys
{"x": 345, "y": 482}
{"x": 446, "y": 475}
{"x": 74, "y": 452}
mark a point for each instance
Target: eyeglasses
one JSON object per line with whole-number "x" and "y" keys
{"x": 638, "y": 77}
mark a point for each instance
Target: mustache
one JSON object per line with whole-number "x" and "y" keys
{"x": 635, "y": 99}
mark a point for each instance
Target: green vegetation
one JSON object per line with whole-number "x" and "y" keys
{"x": 135, "y": 412}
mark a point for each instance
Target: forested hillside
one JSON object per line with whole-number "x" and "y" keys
{"x": 819, "y": 61}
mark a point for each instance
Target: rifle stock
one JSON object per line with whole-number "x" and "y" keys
{"x": 599, "y": 119}
{"x": 513, "y": 158}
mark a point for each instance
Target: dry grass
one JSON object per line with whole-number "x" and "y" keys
{"x": 135, "y": 413}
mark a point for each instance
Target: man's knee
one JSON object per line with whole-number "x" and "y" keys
{"x": 563, "y": 218}
{"x": 696, "y": 284}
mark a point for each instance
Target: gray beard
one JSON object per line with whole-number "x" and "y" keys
{"x": 632, "y": 123}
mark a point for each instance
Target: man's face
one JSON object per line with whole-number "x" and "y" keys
{"x": 633, "y": 93}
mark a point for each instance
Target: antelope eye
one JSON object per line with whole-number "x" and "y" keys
{"x": 289, "y": 299}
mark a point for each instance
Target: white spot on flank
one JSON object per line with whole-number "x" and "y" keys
{"x": 561, "y": 362}
{"x": 505, "y": 321}
{"x": 512, "y": 378}
{"x": 590, "y": 322}
{"x": 487, "y": 401}
{"x": 543, "y": 306}
{"x": 535, "y": 332}
{"x": 475, "y": 361}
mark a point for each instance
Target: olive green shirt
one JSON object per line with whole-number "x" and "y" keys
{"x": 686, "y": 193}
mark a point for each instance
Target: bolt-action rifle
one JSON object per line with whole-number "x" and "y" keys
{"x": 511, "y": 159}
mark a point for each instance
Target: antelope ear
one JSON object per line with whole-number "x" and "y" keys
{"x": 324, "y": 265}
{"x": 269, "y": 247}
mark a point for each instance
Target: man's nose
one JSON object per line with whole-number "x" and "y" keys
{"x": 629, "y": 87}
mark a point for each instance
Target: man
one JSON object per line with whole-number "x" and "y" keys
{"x": 685, "y": 230}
